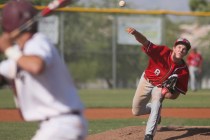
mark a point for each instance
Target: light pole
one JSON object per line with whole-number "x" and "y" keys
{"x": 114, "y": 56}
{"x": 62, "y": 35}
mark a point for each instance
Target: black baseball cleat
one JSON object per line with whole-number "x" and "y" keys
{"x": 148, "y": 137}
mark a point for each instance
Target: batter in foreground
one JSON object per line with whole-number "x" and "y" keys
{"x": 166, "y": 76}
{"x": 44, "y": 88}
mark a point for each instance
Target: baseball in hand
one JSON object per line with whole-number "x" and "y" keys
{"x": 122, "y": 3}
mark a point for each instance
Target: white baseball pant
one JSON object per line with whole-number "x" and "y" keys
{"x": 63, "y": 127}
{"x": 148, "y": 100}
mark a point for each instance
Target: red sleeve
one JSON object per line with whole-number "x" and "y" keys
{"x": 182, "y": 82}
{"x": 153, "y": 50}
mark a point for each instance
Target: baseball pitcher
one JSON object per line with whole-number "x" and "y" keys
{"x": 165, "y": 77}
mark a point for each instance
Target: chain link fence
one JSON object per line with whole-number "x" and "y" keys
{"x": 98, "y": 52}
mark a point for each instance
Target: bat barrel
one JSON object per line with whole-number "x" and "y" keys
{"x": 54, "y": 5}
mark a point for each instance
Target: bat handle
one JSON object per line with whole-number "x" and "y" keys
{"x": 14, "y": 33}
{"x": 25, "y": 26}
{"x": 22, "y": 28}
{"x": 50, "y": 8}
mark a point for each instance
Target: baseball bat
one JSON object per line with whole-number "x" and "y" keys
{"x": 45, "y": 12}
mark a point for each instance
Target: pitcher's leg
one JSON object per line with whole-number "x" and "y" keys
{"x": 156, "y": 106}
{"x": 142, "y": 97}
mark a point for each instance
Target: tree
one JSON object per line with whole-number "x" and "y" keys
{"x": 3, "y": 1}
{"x": 36, "y": 2}
{"x": 199, "y": 5}
{"x": 88, "y": 47}
{"x": 204, "y": 6}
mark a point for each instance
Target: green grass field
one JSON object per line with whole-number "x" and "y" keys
{"x": 123, "y": 98}
{"x": 103, "y": 99}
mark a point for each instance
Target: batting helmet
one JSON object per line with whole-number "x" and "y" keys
{"x": 17, "y": 12}
{"x": 183, "y": 41}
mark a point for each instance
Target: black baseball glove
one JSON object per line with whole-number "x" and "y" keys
{"x": 170, "y": 83}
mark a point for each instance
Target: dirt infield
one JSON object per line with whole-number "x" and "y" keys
{"x": 114, "y": 113}
{"x": 163, "y": 133}
{"x": 137, "y": 132}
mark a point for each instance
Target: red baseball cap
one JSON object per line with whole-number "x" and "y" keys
{"x": 183, "y": 41}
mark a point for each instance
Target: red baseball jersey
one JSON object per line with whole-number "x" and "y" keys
{"x": 161, "y": 66}
{"x": 194, "y": 59}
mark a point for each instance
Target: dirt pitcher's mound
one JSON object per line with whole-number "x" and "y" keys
{"x": 163, "y": 133}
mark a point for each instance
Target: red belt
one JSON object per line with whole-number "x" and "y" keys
{"x": 151, "y": 81}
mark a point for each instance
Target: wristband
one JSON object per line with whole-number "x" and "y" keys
{"x": 13, "y": 53}
{"x": 164, "y": 90}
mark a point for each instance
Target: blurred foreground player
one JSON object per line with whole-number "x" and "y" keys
{"x": 44, "y": 88}
{"x": 166, "y": 76}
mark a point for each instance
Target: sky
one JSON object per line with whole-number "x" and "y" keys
{"x": 175, "y": 5}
